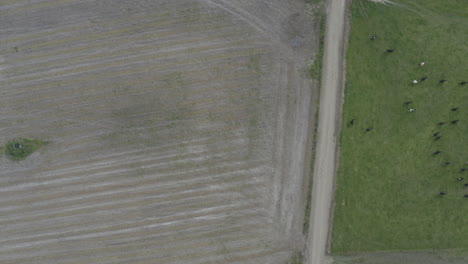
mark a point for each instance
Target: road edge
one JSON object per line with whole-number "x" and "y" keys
{"x": 339, "y": 116}
{"x": 325, "y": 165}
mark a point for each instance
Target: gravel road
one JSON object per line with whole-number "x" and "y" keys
{"x": 325, "y": 165}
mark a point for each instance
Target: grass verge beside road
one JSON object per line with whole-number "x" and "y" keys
{"x": 315, "y": 71}
{"x": 388, "y": 181}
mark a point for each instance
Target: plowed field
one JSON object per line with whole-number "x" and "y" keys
{"x": 177, "y": 130}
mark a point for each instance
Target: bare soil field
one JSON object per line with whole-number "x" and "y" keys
{"x": 177, "y": 130}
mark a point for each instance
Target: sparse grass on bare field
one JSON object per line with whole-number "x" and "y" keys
{"x": 296, "y": 258}
{"x": 316, "y": 65}
{"x": 388, "y": 180}
{"x": 314, "y": 1}
{"x": 21, "y": 148}
{"x": 315, "y": 71}
{"x": 305, "y": 228}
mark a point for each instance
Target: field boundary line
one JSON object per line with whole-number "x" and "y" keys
{"x": 339, "y": 117}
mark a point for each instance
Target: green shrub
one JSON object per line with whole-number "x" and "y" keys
{"x": 20, "y": 148}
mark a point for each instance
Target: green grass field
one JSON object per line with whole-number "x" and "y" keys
{"x": 388, "y": 182}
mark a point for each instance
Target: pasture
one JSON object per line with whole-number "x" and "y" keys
{"x": 176, "y": 130}
{"x": 389, "y": 180}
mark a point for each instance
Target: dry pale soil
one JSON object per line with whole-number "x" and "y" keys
{"x": 177, "y": 130}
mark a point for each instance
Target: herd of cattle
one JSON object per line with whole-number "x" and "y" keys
{"x": 436, "y": 136}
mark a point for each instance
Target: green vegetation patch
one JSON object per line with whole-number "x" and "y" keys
{"x": 389, "y": 180}
{"x": 313, "y": 1}
{"x": 296, "y": 258}
{"x": 19, "y": 149}
{"x": 315, "y": 69}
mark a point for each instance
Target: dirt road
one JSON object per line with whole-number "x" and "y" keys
{"x": 325, "y": 166}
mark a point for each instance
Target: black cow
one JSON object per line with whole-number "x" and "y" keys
{"x": 390, "y": 50}
{"x": 455, "y": 121}
{"x": 441, "y": 123}
{"x": 424, "y": 78}
{"x": 454, "y": 109}
{"x": 369, "y": 129}
{"x": 442, "y": 81}
{"x": 436, "y": 134}
{"x": 463, "y": 169}
{"x": 437, "y": 152}
{"x": 463, "y": 83}
{"x": 442, "y": 193}
{"x": 466, "y": 195}
{"x": 437, "y": 138}
{"x": 352, "y": 121}
{"x": 408, "y": 102}
{"x": 466, "y": 184}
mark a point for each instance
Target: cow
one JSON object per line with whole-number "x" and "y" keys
{"x": 454, "y": 109}
{"x": 437, "y": 152}
{"x": 455, "y": 122}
